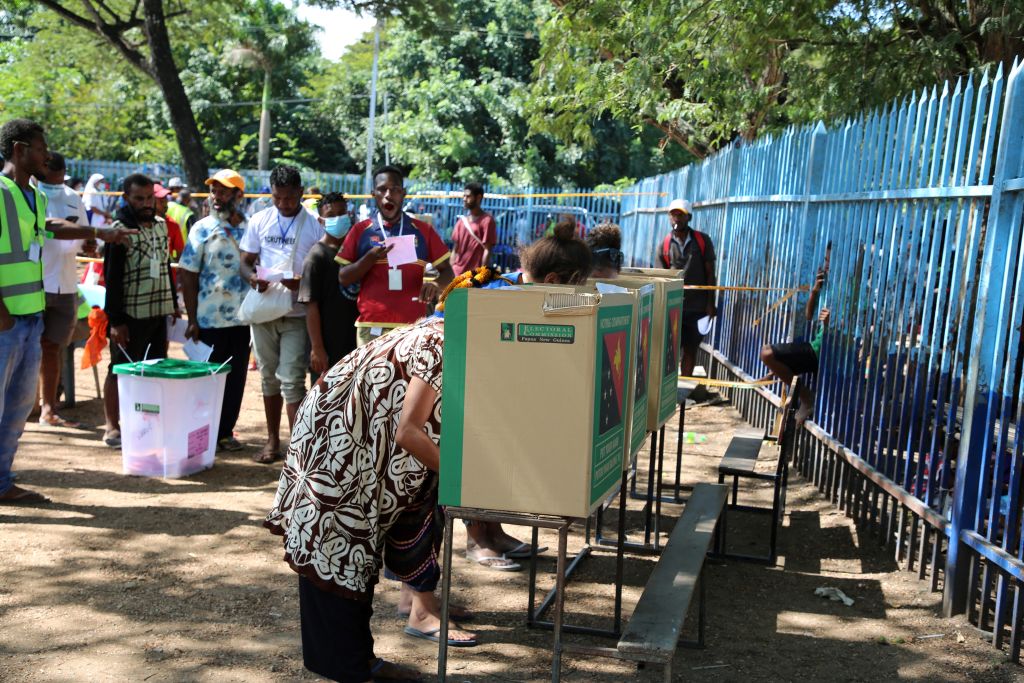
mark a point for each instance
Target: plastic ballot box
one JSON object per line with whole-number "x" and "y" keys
{"x": 534, "y": 406}
{"x": 170, "y": 411}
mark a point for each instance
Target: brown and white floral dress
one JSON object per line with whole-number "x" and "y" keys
{"x": 345, "y": 482}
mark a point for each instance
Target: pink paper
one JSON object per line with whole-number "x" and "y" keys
{"x": 403, "y": 250}
{"x": 198, "y": 441}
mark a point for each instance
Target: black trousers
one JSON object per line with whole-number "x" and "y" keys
{"x": 233, "y": 343}
{"x": 336, "y": 638}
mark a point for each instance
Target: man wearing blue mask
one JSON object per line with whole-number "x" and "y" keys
{"x": 213, "y": 289}
{"x": 331, "y": 308}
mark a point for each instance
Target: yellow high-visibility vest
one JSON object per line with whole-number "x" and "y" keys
{"x": 180, "y": 213}
{"x": 21, "y": 278}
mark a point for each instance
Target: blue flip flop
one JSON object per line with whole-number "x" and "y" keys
{"x": 432, "y": 636}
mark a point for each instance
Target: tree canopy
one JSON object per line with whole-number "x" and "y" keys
{"x": 707, "y": 73}
{"x": 543, "y": 92}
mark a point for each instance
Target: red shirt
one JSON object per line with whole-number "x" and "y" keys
{"x": 469, "y": 250}
{"x": 380, "y": 306}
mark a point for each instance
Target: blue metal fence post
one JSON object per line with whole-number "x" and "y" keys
{"x": 807, "y": 244}
{"x": 982, "y": 396}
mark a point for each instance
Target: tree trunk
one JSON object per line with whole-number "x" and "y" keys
{"x": 263, "y": 156}
{"x": 163, "y": 70}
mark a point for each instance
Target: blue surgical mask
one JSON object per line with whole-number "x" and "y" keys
{"x": 338, "y": 226}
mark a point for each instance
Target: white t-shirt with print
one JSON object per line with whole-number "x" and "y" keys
{"x": 273, "y": 236}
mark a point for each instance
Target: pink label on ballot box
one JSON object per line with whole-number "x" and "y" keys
{"x": 198, "y": 441}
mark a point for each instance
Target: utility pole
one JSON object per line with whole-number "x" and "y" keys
{"x": 387, "y": 149}
{"x": 373, "y": 106}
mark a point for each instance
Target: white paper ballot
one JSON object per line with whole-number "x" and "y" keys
{"x": 271, "y": 274}
{"x": 197, "y": 351}
{"x": 176, "y": 329}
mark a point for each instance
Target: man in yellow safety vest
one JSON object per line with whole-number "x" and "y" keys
{"x": 23, "y": 229}
{"x": 180, "y": 210}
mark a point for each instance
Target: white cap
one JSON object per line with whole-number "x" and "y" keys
{"x": 175, "y": 182}
{"x": 681, "y": 205}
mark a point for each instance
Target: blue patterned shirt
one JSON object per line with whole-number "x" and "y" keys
{"x": 212, "y": 252}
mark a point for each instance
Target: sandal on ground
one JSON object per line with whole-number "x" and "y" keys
{"x": 432, "y": 635}
{"x": 454, "y": 612}
{"x": 496, "y": 562}
{"x": 267, "y": 456}
{"x": 522, "y": 552}
{"x": 383, "y": 670}
{"x": 55, "y": 420}
{"x": 19, "y": 496}
{"x": 229, "y": 444}
{"x": 112, "y": 438}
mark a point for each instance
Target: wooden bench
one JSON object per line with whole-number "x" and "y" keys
{"x": 740, "y": 462}
{"x": 652, "y": 634}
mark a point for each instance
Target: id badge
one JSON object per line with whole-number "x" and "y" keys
{"x": 395, "y": 279}
{"x": 154, "y": 268}
{"x": 34, "y": 252}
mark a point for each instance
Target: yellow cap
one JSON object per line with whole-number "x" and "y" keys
{"x": 227, "y": 178}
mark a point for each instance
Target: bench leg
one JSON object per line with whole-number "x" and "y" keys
{"x": 649, "y": 506}
{"x": 701, "y": 608}
{"x": 735, "y": 489}
{"x": 773, "y": 537}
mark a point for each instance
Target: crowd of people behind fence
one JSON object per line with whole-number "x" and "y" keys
{"x": 310, "y": 291}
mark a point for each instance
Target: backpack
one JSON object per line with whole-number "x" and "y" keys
{"x": 702, "y": 245}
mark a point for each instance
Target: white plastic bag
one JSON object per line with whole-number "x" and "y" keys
{"x": 262, "y": 307}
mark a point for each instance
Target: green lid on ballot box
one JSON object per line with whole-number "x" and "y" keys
{"x": 171, "y": 368}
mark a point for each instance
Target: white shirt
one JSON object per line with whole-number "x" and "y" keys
{"x": 59, "y": 267}
{"x": 276, "y": 238}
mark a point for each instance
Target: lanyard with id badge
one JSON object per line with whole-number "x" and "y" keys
{"x": 394, "y": 273}
{"x": 35, "y": 247}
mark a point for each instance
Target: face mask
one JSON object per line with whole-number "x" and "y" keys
{"x": 338, "y": 226}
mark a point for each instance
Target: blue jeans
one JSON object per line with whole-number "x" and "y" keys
{"x": 20, "y": 353}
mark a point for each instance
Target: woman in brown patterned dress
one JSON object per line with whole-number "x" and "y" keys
{"x": 359, "y": 485}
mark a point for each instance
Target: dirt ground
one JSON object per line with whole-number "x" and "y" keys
{"x": 132, "y": 579}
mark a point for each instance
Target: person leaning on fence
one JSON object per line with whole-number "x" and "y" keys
{"x": 24, "y": 229}
{"x": 213, "y": 289}
{"x": 330, "y": 308}
{"x": 280, "y": 237}
{"x": 61, "y": 284}
{"x": 690, "y": 251}
{"x": 391, "y": 297}
{"x": 801, "y": 358}
{"x": 475, "y": 233}
{"x": 140, "y": 292}
{"x": 605, "y": 242}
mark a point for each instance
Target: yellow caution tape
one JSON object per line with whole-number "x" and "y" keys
{"x": 739, "y": 288}
{"x": 708, "y": 382}
{"x": 91, "y": 259}
{"x": 441, "y": 195}
{"x": 778, "y": 303}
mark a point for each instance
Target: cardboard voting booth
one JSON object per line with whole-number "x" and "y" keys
{"x": 534, "y": 404}
{"x": 666, "y": 322}
{"x": 639, "y": 384}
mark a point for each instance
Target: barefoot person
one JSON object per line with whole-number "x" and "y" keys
{"x": 359, "y": 486}
{"x": 279, "y": 238}
{"x": 801, "y": 358}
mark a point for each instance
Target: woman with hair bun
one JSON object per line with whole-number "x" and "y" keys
{"x": 605, "y": 242}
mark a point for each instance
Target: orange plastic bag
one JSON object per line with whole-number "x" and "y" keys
{"x": 97, "y": 340}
